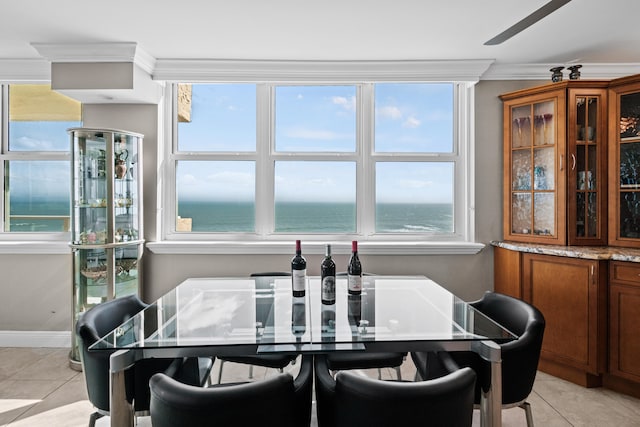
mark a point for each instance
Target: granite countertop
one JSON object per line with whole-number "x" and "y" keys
{"x": 585, "y": 252}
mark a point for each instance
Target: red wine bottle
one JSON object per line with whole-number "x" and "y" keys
{"x": 354, "y": 271}
{"x": 298, "y": 272}
{"x": 328, "y": 278}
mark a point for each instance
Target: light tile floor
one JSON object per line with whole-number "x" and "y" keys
{"x": 38, "y": 389}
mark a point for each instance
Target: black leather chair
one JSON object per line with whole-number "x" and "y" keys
{"x": 519, "y": 357}
{"x": 99, "y": 321}
{"x": 340, "y": 361}
{"x": 278, "y": 401}
{"x": 352, "y": 400}
{"x": 274, "y": 361}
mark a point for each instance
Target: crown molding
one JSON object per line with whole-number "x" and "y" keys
{"x": 97, "y": 52}
{"x": 541, "y": 71}
{"x": 25, "y": 70}
{"x": 318, "y": 71}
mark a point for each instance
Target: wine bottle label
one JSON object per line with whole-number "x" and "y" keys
{"x": 298, "y": 277}
{"x": 355, "y": 283}
{"x": 329, "y": 288}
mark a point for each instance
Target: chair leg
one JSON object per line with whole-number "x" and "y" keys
{"x": 93, "y": 418}
{"x": 398, "y": 373}
{"x": 527, "y": 410}
{"x": 220, "y": 372}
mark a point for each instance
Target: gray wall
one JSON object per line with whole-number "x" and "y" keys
{"x": 36, "y": 289}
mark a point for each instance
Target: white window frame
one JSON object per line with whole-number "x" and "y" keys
{"x": 22, "y": 242}
{"x": 462, "y": 242}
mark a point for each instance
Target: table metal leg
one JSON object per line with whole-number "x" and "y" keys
{"x": 121, "y": 410}
{"x": 491, "y": 400}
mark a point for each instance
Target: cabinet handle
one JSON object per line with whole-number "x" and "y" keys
{"x": 573, "y": 162}
{"x": 561, "y": 161}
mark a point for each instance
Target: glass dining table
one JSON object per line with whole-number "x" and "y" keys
{"x": 259, "y": 315}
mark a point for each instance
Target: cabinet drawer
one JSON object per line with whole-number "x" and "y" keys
{"x": 625, "y": 272}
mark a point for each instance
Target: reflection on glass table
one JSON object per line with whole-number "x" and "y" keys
{"x": 239, "y": 316}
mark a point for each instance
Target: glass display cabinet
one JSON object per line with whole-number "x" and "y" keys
{"x": 624, "y": 162}
{"x": 554, "y": 163}
{"x": 106, "y": 224}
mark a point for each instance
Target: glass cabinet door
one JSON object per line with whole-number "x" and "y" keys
{"x": 586, "y": 178}
{"x": 625, "y": 227}
{"x": 532, "y": 150}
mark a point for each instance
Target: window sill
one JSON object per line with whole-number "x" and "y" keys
{"x": 258, "y": 248}
{"x": 34, "y": 248}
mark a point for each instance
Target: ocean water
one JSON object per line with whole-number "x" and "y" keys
{"x": 35, "y": 208}
{"x": 290, "y": 217}
{"x": 318, "y": 217}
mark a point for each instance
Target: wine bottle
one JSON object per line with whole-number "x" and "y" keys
{"x": 298, "y": 317}
{"x": 354, "y": 271}
{"x": 328, "y": 278}
{"x": 298, "y": 272}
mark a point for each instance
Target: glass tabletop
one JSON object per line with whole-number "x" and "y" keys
{"x": 261, "y": 312}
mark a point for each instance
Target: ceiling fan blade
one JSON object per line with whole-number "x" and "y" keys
{"x": 545, "y": 10}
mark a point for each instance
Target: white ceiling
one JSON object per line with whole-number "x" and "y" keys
{"x": 582, "y": 31}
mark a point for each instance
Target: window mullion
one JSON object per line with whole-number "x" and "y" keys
{"x": 366, "y": 179}
{"x": 264, "y": 221}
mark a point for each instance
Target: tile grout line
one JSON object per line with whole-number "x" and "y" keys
{"x": 554, "y": 408}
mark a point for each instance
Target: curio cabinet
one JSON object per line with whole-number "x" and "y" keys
{"x": 106, "y": 224}
{"x": 555, "y": 164}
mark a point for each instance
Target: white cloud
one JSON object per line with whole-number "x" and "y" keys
{"x": 348, "y": 104}
{"x": 411, "y": 122}
{"x": 390, "y": 112}
{"x": 26, "y": 143}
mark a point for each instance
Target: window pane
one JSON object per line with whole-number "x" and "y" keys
{"x": 217, "y": 196}
{"x": 39, "y": 118}
{"x": 315, "y": 118}
{"x": 217, "y": 117}
{"x": 37, "y": 196}
{"x": 414, "y": 197}
{"x": 315, "y": 197}
{"x": 414, "y": 118}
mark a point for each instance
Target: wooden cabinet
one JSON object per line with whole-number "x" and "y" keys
{"x": 624, "y": 162}
{"x": 555, "y": 164}
{"x": 507, "y": 272}
{"x": 571, "y": 294}
{"x": 624, "y": 313}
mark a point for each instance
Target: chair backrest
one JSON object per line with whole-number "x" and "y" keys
{"x": 276, "y": 401}
{"x": 355, "y": 400}
{"x": 94, "y": 324}
{"x": 91, "y": 326}
{"x": 519, "y": 357}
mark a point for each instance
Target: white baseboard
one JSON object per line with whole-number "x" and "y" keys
{"x": 61, "y": 339}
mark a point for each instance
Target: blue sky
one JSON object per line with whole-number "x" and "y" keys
{"x": 408, "y": 118}
{"x": 39, "y": 179}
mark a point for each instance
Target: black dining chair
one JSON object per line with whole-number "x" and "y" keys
{"x": 278, "y": 401}
{"x": 340, "y": 361}
{"x": 98, "y": 322}
{"x": 519, "y": 357}
{"x": 273, "y": 361}
{"x": 353, "y": 400}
